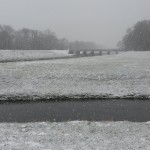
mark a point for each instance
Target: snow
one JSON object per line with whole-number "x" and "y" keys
{"x": 19, "y": 55}
{"x": 75, "y": 136}
{"x": 126, "y": 75}
{"x": 110, "y": 76}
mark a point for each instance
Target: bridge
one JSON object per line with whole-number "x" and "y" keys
{"x": 95, "y": 52}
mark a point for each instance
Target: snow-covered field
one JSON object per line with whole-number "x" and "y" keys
{"x": 111, "y": 76}
{"x": 18, "y": 55}
{"x": 75, "y": 136}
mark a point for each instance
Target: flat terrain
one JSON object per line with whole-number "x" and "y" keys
{"x": 24, "y": 55}
{"x": 114, "y": 75}
{"x": 126, "y": 75}
{"x": 75, "y": 136}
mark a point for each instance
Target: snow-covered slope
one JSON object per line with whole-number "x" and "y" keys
{"x": 75, "y": 136}
{"x": 111, "y": 76}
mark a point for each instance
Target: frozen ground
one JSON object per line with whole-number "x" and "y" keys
{"x": 75, "y": 136}
{"x": 122, "y": 75}
{"x": 126, "y": 75}
{"x": 18, "y": 55}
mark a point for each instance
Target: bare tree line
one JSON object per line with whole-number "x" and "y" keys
{"x": 29, "y": 39}
{"x": 137, "y": 37}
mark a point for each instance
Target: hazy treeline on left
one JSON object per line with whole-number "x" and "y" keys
{"x": 29, "y": 39}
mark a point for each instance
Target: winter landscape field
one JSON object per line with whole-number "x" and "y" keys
{"x": 29, "y": 55}
{"x": 75, "y": 136}
{"x": 126, "y": 75}
{"x": 75, "y": 75}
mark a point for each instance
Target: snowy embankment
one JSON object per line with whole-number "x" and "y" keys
{"x": 28, "y": 55}
{"x": 75, "y": 136}
{"x": 126, "y": 75}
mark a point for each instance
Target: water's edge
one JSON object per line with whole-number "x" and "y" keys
{"x": 62, "y": 111}
{"x": 69, "y": 97}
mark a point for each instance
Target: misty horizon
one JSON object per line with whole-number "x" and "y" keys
{"x": 99, "y": 21}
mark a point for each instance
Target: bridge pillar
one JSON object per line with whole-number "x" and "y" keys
{"x": 77, "y": 53}
{"x": 92, "y": 53}
{"x": 108, "y": 52}
{"x": 84, "y": 53}
{"x": 71, "y": 52}
{"x": 100, "y": 52}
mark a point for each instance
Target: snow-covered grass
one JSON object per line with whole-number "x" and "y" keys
{"x": 126, "y": 75}
{"x": 110, "y": 76}
{"x": 75, "y": 136}
{"x": 20, "y": 55}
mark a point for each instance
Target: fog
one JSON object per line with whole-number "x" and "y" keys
{"x": 102, "y": 21}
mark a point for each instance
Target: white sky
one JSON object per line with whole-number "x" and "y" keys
{"x": 101, "y": 21}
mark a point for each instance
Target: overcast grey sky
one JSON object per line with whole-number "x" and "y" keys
{"x": 100, "y": 21}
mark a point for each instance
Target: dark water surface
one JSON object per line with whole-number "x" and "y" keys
{"x": 102, "y": 110}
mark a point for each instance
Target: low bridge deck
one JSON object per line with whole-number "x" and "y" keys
{"x": 95, "y": 52}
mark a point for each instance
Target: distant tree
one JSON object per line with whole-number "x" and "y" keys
{"x": 49, "y": 40}
{"x": 28, "y": 39}
{"x": 36, "y": 40}
{"x": 63, "y": 44}
{"x": 6, "y": 37}
{"x": 137, "y": 37}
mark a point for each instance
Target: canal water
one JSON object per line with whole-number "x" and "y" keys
{"x": 98, "y": 110}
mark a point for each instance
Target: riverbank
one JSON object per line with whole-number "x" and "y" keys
{"x": 31, "y": 55}
{"x": 75, "y": 135}
{"x": 126, "y": 75}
